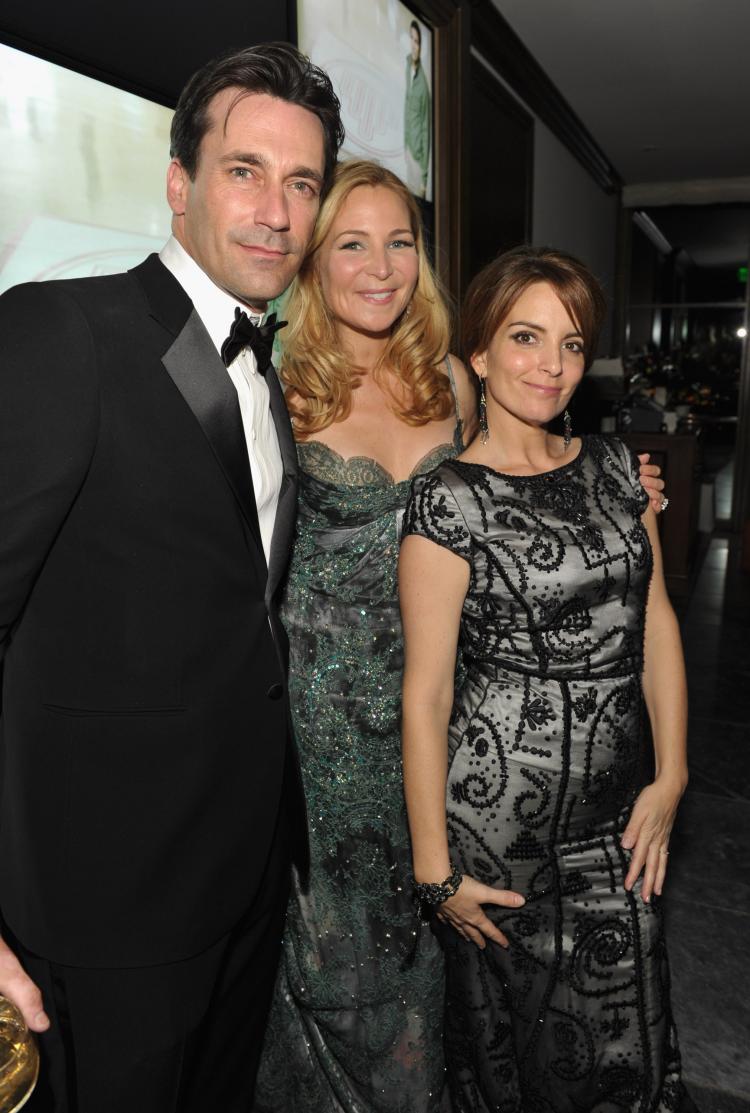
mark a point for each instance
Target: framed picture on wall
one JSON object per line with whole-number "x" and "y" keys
{"x": 379, "y": 56}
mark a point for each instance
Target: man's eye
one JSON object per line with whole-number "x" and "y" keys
{"x": 241, "y": 172}
{"x": 304, "y": 189}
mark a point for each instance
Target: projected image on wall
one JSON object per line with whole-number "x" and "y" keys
{"x": 83, "y": 172}
{"x": 379, "y": 57}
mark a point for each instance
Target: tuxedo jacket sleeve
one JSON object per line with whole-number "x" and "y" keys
{"x": 48, "y": 425}
{"x": 145, "y": 722}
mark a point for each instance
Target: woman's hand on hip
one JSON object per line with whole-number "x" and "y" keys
{"x": 647, "y": 834}
{"x": 464, "y": 912}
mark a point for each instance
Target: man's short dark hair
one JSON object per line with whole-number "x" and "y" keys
{"x": 276, "y": 69}
{"x": 414, "y": 26}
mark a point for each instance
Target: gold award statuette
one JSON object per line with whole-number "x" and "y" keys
{"x": 19, "y": 1059}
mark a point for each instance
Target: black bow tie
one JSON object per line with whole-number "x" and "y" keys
{"x": 246, "y": 334}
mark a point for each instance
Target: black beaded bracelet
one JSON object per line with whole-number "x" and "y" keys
{"x": 434, "y": 893}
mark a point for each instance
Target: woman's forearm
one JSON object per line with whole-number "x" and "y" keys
{"x": 665, "y": 693}
{"x": 433, "y": 583}
{"x": 664, "y": 684}
{"x": 425, "y": 751}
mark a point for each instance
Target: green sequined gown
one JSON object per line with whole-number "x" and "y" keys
{"x": 356, "y": 1024}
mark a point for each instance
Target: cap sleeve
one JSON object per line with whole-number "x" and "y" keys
{"x": 433, "y": 512}
{"x": 632, "y": 474}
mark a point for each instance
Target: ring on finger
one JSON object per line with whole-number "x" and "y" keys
{"x": 664, "y": 852}
{"x": 664, "y": 504}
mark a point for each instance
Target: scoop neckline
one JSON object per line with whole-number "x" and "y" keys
{"x": 534, "y": 475}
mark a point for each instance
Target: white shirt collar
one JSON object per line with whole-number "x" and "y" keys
{"x": 214, "y": 306}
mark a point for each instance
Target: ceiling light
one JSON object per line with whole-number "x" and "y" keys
{"x": 742, "y": 332}
{"x": 647, "y": 226}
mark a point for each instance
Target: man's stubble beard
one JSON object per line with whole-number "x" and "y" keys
{"x": 263, "y": 271}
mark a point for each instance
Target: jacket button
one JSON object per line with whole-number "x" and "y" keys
{"x": 275, "y": 691}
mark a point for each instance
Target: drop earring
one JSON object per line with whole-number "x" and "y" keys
{"x": 484, "y": 428}
{"x": 567, "y": 429}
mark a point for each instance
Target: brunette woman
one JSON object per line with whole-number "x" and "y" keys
{"x": 539, "y": 553}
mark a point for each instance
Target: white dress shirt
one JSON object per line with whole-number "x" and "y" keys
{"x": 216, "y": 309}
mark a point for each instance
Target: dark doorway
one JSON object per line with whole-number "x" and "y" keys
{"x": 500, "y": 172}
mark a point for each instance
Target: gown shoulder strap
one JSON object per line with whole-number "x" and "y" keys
{"x": 459, "y": 430}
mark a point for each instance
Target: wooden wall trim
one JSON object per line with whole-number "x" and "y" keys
{"x": 450, "y": 26}
{"x": 621, "y": 291}
{"x": 486, "y": 80}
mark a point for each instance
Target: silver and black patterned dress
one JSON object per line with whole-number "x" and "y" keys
{"x": 544, "y": 752}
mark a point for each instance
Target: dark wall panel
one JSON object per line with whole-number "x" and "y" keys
{"x": 500, "y": 172}
{"x": 146, "y": 46}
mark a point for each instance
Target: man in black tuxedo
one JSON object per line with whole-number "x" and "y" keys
{"x": 151, "y": 799}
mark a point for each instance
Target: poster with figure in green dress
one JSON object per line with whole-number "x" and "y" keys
{"x": 379, "y": 57}
{"x": 417, "y": 116}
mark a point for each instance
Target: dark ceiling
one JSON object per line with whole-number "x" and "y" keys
{"x": 662, "y": 85}
{"x": 147, "y": 48}
{"x": 712, "y": 235}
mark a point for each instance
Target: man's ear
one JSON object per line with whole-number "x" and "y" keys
{"x": 178, "y": 181}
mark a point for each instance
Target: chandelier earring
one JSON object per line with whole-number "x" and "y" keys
{"x": 484, "y": 428}
{"x": 567, "y": 429}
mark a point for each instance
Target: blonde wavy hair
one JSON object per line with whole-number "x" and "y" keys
{"x": 313, "y": 367}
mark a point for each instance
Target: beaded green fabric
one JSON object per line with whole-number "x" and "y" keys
{"x": 356, "y": 1024}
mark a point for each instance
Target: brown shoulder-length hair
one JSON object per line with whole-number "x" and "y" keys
{"x": 495, "y": 290}
{"x": 318, "y": 373}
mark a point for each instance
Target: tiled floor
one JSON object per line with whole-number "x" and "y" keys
{"x": 708, "y": 895}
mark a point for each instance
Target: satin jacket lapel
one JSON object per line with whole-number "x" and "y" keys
{"x": 286, "y": 511}
{"x": 201, "y": 378}
{"x": 199, "y": 374}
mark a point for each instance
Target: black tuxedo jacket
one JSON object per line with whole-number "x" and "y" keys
{"x": 145, "y": 718}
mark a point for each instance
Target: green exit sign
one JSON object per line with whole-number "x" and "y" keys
{"x": 742, "y": 274}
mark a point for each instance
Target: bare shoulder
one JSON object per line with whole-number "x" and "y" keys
{"x": 467, "y": 396}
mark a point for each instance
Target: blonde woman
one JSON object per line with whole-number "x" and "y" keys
{"x": 357, "y": 1020}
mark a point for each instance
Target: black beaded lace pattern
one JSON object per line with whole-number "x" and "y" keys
{"x": 544, "y": 750}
